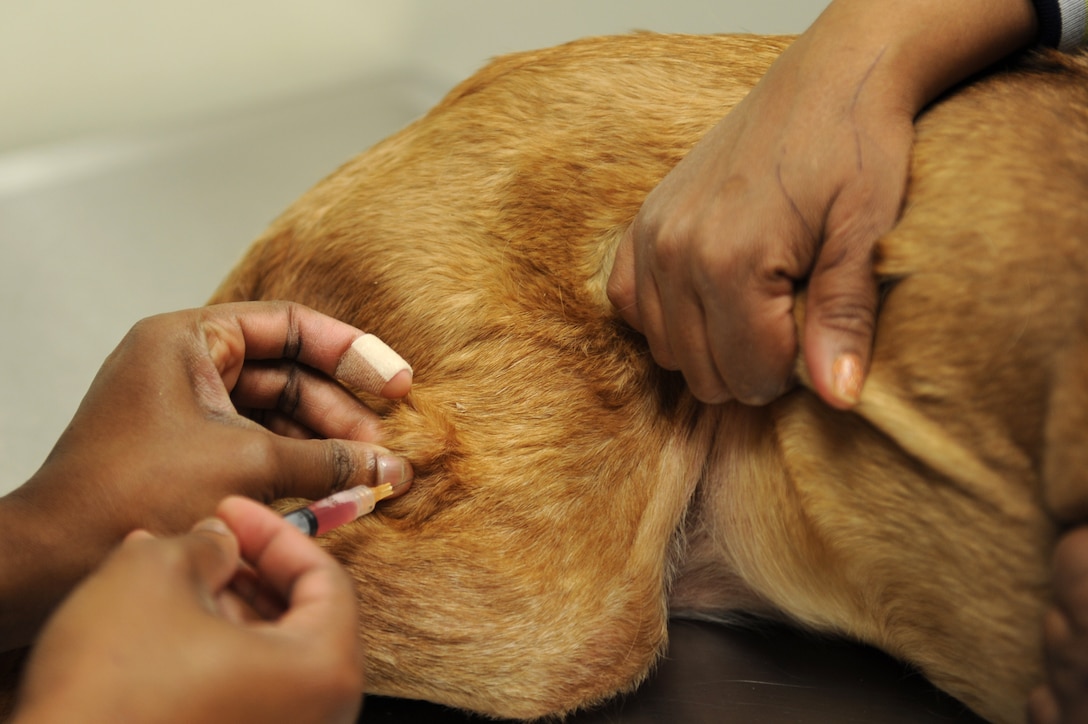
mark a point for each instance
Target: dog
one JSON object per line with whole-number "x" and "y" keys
{"x": 571, "y": 496}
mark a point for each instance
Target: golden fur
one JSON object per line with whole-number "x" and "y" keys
{"x": 570, "y": 495}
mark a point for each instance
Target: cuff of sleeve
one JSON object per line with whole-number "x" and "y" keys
{"x": 1062, "y": 23}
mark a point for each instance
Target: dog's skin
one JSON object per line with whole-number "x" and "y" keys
{"x": 570, "y": 495}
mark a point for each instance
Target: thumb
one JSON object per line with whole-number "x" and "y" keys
{"x": 621, "y": 282}
{"x": 316, "y": 468}
{"x": 840, "y": 321}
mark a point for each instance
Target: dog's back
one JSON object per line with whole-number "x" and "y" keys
{"x": 529, "y": 570}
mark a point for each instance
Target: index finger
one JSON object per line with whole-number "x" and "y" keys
{"x": 286, "y": 330}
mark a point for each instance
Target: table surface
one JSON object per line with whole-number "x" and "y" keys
{"x": 96, "y": 235}
{"x": 764, "y": 675}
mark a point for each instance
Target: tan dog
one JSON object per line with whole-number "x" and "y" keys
{"x": 570, "y": 495}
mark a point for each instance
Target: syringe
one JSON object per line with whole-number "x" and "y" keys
{"x": 323, "y": 515}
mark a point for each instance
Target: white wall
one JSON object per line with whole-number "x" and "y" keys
{"x": 71, "y": 68}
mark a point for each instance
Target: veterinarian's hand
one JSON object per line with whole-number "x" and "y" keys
{"x": 158, "y": 440}
{"x": 157, "y": 634}
{"x": 796, "y": 185}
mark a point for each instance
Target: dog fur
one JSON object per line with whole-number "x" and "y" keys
{"x": 570, "y": 495}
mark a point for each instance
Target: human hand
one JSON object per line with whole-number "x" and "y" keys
{"x": 156, "y": 633}
{"x": 158, "y": 440}
{"x": 1063, "y": 697}
{"x": 711, "y": 265}
{"x": 794, "y": 187}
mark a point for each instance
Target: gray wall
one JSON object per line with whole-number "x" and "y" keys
{"x": 70, "y": 67}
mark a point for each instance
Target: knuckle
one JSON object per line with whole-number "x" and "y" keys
{"x": 342, "y": 463}
{"x": 661, "y": 351}
{"x": 671, "y": 241}
{"x": 292, "y": 343}
{"x": 290, "y": 397}
{"x": 714, "y": 259}
{"x": 710, "y": 393}
{"x": 143, "y": 327}
{"x": 763, "y": 384}
{"x": 621, "y": 290}
{"x": 765, "y": 373}
{"x": 664, "y": 254}
{"x": 705, "y": 381}
{"x": 844, "y": 303}
{"x": 847, "y": 314}
{"x": 147, "y": 332}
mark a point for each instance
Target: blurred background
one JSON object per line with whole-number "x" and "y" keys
{"x": 144, "y": 144}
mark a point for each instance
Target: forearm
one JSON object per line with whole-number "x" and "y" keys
{"x": 917, "y": 49}
{"x": 38, "y": 567}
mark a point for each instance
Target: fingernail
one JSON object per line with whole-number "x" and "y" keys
{"x": 212, "y": 525}
{"x": 395, "y": 471}
{"x": 369, "y": 363}
{"x": 846, "y": 378}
